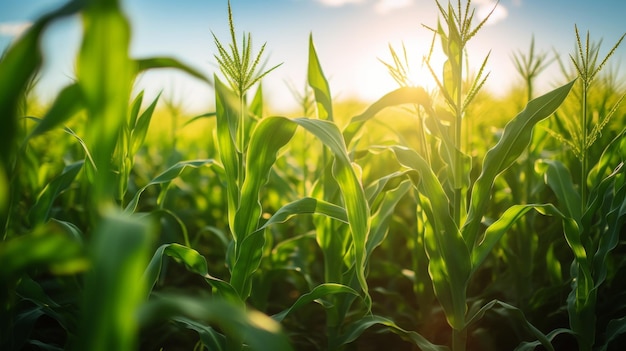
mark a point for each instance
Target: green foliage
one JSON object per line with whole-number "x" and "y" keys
{"x": 459, "y": 225}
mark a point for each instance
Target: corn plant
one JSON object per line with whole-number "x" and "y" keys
{"x": 107, "y": 317}
{"x": 454, "y": 240}
{"x": 592, "y": 207}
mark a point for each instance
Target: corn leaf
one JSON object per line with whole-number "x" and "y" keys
{"x": 511, "y": 312}
{"x": 515, "y": 138}
{"x": 382, "y": 217}
{"x": 319, "y": 84}
{"x": 167, "y": 176}
{"x": 257, "y": 330}
{"x": 105, "y": 74}
{"x": 65, "y": 105}
{"x": 227, "y": 115}
{"x": 497, "y": 229}
{"x": 140, "y": 130}
{"x": 46, "y": 247}
{"x": 114, "y": 288}
{"x": 167, "y": 62}
{"x": 40, "y": 212}
{"x": 449, "y": 258}
{"x": 404, "y": 95}
{"x": 355, "y": 329}
{"x": 351, "y": 189}
{"x": 559, "y": 179}
{"x": 317, "y": 293}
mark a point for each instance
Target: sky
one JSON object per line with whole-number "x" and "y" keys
{"x": 350, "y": 36}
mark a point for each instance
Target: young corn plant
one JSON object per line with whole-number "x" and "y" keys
{"x": 102, "y": 90}
{"x": 521, "y": 247}
{"x": 593, "y": 210}
{"x": 454, "y": 239}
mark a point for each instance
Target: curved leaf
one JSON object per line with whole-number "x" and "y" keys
{"x": 257, "y": 330}
{"x": 168, "y": 62}
{"x": 404, "y": 95}
{"x": 515, "y": 139}
{"x": 559, "y": 179}
{"x": 354, "y": 330}
{"x": 167, "y": 176}
{"x": 449, "y": 258}
{"x": 67, "y": 103}
{"x": 511, "y": 312}
{"x": 317, "y": 293}
{"x": 40, "y": 212}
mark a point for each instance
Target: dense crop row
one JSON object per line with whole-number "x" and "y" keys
{"x": 466, "y": 223}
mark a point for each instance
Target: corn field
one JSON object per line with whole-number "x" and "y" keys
{"x": 443, "y": 219}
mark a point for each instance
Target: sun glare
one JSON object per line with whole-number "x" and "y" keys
{"x": 375, "y": 79}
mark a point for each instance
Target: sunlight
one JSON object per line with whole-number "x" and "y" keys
{"x": 375, "y": 79}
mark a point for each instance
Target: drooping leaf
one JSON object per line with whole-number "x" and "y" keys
{"x": 355, "y": 329}
{"x": 404, "y": 95}
{"x": 167, "y": 176}
{"x": 66, "y": 104}
{"x": 318, "y": 292}
{"x": 257, "y": 330}
{"x": 168, "y": 62}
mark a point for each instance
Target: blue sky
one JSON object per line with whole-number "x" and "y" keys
{"x": 350, "y": 37}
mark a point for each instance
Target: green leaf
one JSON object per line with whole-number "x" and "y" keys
{"x": 227, "y": 116}
{"x": 404, "y": 95}
{"x": 515, "y": 138}
{"x": 351, "y": 189}
{"x": 18, "y": 66}
{"x": 511, "y": 313}
{"x": 615, "y": 328}
{"x": 257, "y": 330}
{"x": 380, "y": 219}
{"x": 139, "y": 131}
{"x": 317, "y": 293}
{"x": 497, "y": 229}
{"x": 269, "y": 136}
{"x": 40, "y": 212}
{"x": 193, "y": 261}
{"x": 449, "y": 258}
{"x": 167, "y": 176}
{"x": 46, "y": 247}
{"x": 256, "y": 106}
{"x": 319, "y": 84}
{"x": 355, "y": 329}
{"x": 559, "y": 179}
{"x": 66, "y": 104}
{"x": 168, "y": 62}
{"x": 114, "y": 289}
{"x": 105, "y": 74}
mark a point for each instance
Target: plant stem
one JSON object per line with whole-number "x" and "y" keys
{"x": 242, "y": 134}
{"x": 459, "y": 339}
{"x": 458, "y": 166}
{"x": 583, "y": 149}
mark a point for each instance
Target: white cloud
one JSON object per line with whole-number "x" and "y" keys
{"x": 385, "y": 6}
{"x": 484, "y": 7}
{"x": 14, "y": 29}
{"x": 336, "y": 3}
